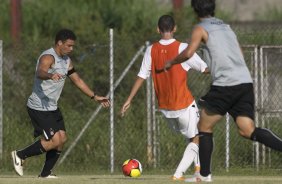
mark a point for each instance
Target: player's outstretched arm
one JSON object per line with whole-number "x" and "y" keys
{"x": 75, "y": 78}
{"x": 138, "y": 83}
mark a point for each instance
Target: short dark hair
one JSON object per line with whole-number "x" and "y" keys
{"x": 203, "y": 8}
{"x": 64, "y": 34}
{"x": 166, "y": 23}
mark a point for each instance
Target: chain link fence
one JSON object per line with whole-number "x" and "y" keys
{"x": 143, "y": 133}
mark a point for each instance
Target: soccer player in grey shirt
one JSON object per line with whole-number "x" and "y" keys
{"x": 53, "y": 66}
{"x": 232, "y": 86}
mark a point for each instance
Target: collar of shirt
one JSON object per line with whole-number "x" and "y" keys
{"x": 166, "y": 42}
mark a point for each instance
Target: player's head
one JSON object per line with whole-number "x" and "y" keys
{"x": 203, "y": 8}
{"x": 64, "y": 41}
{"x": 166, "y": 24}
{"x": 64, "y": 34}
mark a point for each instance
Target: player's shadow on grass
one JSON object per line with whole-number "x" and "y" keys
{"x": 123, "y": 178}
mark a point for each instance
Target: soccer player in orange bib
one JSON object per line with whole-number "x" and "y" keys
{"x": 175, "y": 100}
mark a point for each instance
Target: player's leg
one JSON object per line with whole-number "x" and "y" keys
{"x": 247, "y": 129}
{"x": 53, "y": 155}
{"x": 197, "y": 164}
{"x": 44, "y": 123}
{"x": 206, "y": 124}
{"x": 193, "y": 130}
{"x": 243, "y": 113}
{"x": 214, "y": 105}
{"x": 36, "y": 148}
{"x": 187, "y": 126}
{"x": 189, "y": 156}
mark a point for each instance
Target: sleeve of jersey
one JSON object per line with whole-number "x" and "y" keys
{"x": 195, "y": 62}
{"x": 145, "y": 69}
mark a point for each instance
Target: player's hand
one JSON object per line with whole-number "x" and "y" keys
{"x": 56, "y": 77}
{"x": 124, "y": 108}
{"x": 207, "y": 71}
{"x": 167, "y": 66}
{"x": 104, "y": 101}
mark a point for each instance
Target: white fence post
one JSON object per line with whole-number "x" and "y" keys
{"x": 149, "y": 118}
{"x": 227, "y": 142}
{"x": 112, "y": 99}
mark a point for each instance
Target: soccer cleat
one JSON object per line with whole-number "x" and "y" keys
{"x": 177, "y": 179}
{"x": 199, "y": 178}
{"x": 50, "y": 176}
{"x": 18, "y": 163}
{"x": 196, "y": 174}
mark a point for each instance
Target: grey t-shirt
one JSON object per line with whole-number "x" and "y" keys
{"x": 223, "y": 54}
{"x": 45, "y": 93}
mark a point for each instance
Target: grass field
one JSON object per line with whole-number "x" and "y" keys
{"x": 144, "y": 179}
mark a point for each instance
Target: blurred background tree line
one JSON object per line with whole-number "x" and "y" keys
{"x": 134, "y": 22}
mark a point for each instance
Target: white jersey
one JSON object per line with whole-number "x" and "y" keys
{"x": 46, "y": 93}
{"x": 195, "y": 62}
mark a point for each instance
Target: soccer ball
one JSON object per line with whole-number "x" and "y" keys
{"x": 132, "y": 168}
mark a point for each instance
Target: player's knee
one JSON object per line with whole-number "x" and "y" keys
{"x": 60, "y": 142}
{"x": 63, "y": 140}
{"x": 55, "y": 142}
{"x": 245, "y": 134}
{"x": 195, "y": 140}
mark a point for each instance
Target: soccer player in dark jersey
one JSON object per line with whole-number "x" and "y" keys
{"x": 232, "y": 85}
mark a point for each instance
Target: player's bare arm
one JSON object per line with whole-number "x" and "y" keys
{"x": 75, "y": 78}
{"x": 46, "y": 62}
{"x": 138, "y": 83}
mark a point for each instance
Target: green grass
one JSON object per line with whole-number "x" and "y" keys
{"x": 119, "y": 179}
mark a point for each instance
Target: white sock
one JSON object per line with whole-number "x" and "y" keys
{"x": 197, "y": 163}
{"x": 189, "y": 155}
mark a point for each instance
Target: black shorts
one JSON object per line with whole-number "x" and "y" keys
{"x": 237, "y": 100}
{"x": 46, "y": 123}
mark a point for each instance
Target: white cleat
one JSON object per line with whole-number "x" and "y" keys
{"x": 18, "y": 163}
{"x": 196, "y": 174}
{"x": 199, "y": 178}
{"x": 50, "y": 176}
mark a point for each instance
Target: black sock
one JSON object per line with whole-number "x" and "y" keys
{"x": 52, "y": 157}
{"x": 205, "y": 152}
{"x": 34, "y": 149}
{"x": 267, "y": 138}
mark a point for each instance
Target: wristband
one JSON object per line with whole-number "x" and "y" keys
{"x": 93, "y": 97}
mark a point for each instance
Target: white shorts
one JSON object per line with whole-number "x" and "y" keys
{"x": 187, "y": 122}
